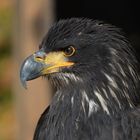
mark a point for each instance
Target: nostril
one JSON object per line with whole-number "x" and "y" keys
{"x": 40, "y": 55}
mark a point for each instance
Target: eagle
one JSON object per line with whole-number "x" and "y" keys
{"x": 94, "y": 74}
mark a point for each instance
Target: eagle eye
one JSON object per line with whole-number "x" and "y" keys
{"x": 69, "y": 51}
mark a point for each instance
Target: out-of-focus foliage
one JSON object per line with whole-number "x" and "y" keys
{"x": 6, "y": 108}
{"x": 5, "y": 31}
{"x": 5, "y": 51}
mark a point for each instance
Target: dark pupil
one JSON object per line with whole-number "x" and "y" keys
{"x": 68, "y": 50}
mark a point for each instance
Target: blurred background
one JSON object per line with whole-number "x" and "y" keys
{"x": 23, "y": 24}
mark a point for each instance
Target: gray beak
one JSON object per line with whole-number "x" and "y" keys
{"x": 31, "y": 69}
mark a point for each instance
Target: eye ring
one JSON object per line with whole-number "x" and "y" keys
{"x": 69, "y": 51}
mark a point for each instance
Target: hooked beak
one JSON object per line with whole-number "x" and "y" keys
{"x": 40, "y": 64}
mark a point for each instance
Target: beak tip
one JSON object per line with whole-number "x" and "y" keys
{"x": 23, "y": 82}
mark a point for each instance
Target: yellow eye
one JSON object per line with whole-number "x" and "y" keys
{"x": 69, "y": 51}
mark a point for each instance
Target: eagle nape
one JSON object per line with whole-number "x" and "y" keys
{"x": 95, "y": 74}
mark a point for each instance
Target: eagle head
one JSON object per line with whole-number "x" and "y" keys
{"x": 90, "y": 56}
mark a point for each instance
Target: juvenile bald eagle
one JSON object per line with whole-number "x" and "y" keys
{"x": 94, "y": 73}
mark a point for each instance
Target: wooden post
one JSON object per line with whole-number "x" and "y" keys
{"x": 32, "y": 19}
